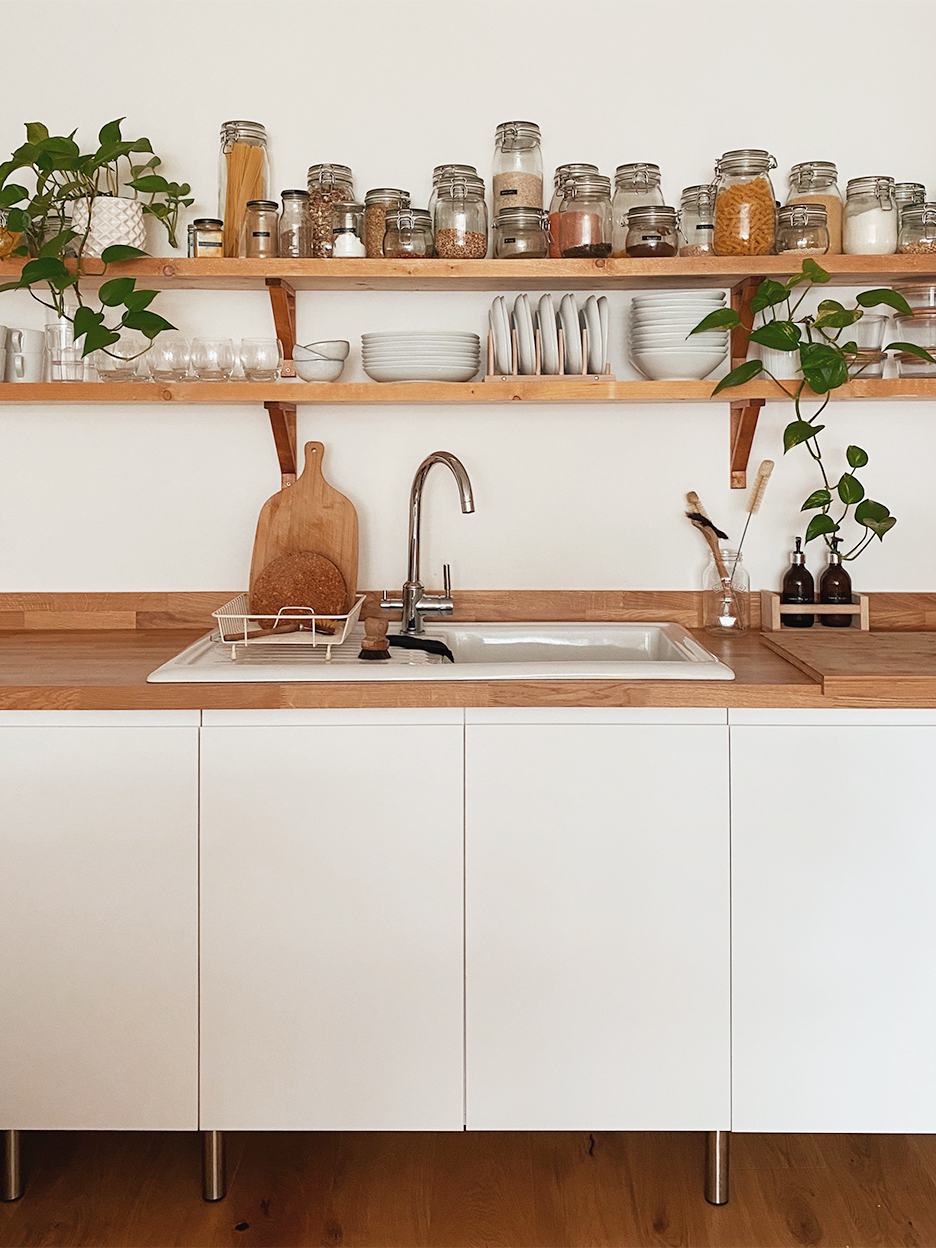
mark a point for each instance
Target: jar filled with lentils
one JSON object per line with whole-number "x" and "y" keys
{"x": 328, "y": 185}
{"x": 445, "y": 173}
{"x": 745, "y": 204}
{"x": 461, "y": 222}
{"x": 563, "y": 174}
{"x": 408, "y": 235}
{"x": 377, "y": 204}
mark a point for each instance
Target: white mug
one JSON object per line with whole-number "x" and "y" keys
{"x": 26, "y": 341}
{"x": 3, "y": 337}
{"x": 25, "y": 366}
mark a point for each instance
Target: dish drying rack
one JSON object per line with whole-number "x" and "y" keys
{"x": 238, "y": 626}
{"x": 562, "y": 375}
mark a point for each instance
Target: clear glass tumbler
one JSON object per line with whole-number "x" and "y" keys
{"x": 66, "y": 362}
{"x": 169, "y": 358}
{"x": 213, "y": 358}
{"x": 121, "y": 360}
{"x": 261, "y": 358}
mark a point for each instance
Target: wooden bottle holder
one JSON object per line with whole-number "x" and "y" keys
{"x": 773, "y": 610}
{"x": 561, "y": 376}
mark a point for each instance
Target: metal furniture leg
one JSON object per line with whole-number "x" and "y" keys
{"x": 11, "y": 1184}
{"x": 716, "y": 1167}
{"x": 214, "y": 1176}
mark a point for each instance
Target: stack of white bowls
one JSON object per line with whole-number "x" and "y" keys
{"x": 413, "y": 355}
{"x": 660, "y": 325}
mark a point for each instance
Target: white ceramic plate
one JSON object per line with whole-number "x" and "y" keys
{"x": 596, "y": 360}
{"x": 500, "y": 327}
{"x": 674, "y": 323}
{"x": 422, "y": 335}
{"x": 549, "y": 336}
{"x": 422, "y": 349}
{"x": 604, "y": 317}
{"x": 526, "y": 345}
{"x": 662, "y": 298}
{"x": 700, "y": 342}
{"x": 568, "y": 318}
{"x": 420, "y": 372}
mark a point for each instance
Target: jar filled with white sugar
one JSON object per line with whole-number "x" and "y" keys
{"x": 871, "y": 217}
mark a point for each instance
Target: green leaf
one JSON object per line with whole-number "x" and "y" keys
{"x": 111, "y": 255}
{"x": 820, "y": 524}
{"x": 880, "y": 527}
{"x": 911, "y": 349}
{"x": 832, "y": 315}
{"x": 823, "y": 365}
{"x": 56, "y": 245}
{"x": 9, "y": 286}
{"x": 799, "y": 431}
{"x": 767, "y": 295}
{"x": 148, "y": 323}
{"x": 42, "y": 270}
{"x": 150, "y": 184}
{"x": 115, "y": 292}
{"x": 819, "y": 498}
{"x": 857, "y": 458}
{"x": 813, "y": 272}
{"x": 139, "y": 300}
{"x": 850, "y": 489}
{"x": 58, "y": 146}
{"x": 723, "y": 318}
{"x": 874, "y": 298}
{"x": 778, "y": 335}
{"x": 36, "y": 131}
{"x": 86, "y": 319}
{"x": 847, "y": 348}
{"x": 869, "y": 510}
{"x": 98, "y": 338}
{"x": 111, "y": 132}
{"x": 739, "y": 376}
{"x": 12, "y": 194}
{"x": 18, "y": 221}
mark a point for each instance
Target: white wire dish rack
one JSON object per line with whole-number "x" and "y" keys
{"x": 238, "y": 627}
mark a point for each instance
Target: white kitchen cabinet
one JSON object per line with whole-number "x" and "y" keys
{"x": 834, "y": 920}
{"x": 597, "y": 920}
{"x": 331, "y": 920}
{"x": 98, "y": 920}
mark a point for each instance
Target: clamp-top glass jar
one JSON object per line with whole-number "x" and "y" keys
{"x": 518, "y": 166}
{"x": 697, "y": 221}
{"x": 328, "y": 185}
{"x": 918, "y": 229}
{"x": 745, "y": 205}
{"x": 908, "y": 194}
{"x": 871, "y": 217}
{"x": 651, "y": 231}
{"x": 243, "y": 174}
{"x": 816, "y": 182}
{"x": 803, "y": 229}
{"x": 563, "y": 174}
{"x": 635, "y": 186}
{"x": 461, "y": 223}
{"x": 377, "y": 204}
{"x": 408, "y": 235}
{"x": 585, "y": 217}
{"x": 295, "y": 226}
{"x": 521, "y": 234}
{"x": 445, "y": 173}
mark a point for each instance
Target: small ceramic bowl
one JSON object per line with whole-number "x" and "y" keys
{"x": 334, "y": 349}
{"x": 318, "y": 369}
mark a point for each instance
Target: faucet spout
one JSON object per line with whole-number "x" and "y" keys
{"x": 464, "y": 491}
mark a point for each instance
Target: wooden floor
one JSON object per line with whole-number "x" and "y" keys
{"x": 555, "y": 1190}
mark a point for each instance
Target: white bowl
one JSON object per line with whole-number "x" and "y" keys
{"x": 332, "y": 349}
{"x": 666, "y": 297}
{"x": 420, "y": 372}
{"x": 677, "y": 342}
{"x": 319, "y": 370}
{"x": 677, "y": 365}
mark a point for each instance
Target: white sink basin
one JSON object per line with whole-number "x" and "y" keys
{"x": 481, "y": 652}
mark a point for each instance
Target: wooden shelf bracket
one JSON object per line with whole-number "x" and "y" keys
{"x": 283, "y": 299}
{"x": 283, "y": 423}
{"x": 743, "y": 414}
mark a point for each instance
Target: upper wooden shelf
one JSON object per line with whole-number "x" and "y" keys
{"x": 181, "y": 273}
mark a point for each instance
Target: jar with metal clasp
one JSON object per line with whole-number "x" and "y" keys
{"x": 803, "y": 229}
{"x": 651, "y": 231}
{"x": 327, "y": 185}
{"x": 635, "y": 186}
{"x": 585, "y": 218}
{"x": 745, "y": 205}
{"x": 408, "y": 234}
{"x": 461, "y": 222}
{"x": 816, "y": 182}
{"x": 697, "y": 221}
{"x": 918, "y": 229}
{"x": 563, "y": 174}
{"x": 871, "y": 218}
{"x": 243, "y": 175}
{"x": 521, "y": 234}
{"x": 518, "y": 166}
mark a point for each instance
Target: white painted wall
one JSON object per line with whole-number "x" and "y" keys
{"x": 147, "y": 498}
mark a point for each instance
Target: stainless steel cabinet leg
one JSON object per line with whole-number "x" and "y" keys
{"x": 214, "y": 1177}
{"x": 716, "y": 1167}
{"x": 11, "y": 1187}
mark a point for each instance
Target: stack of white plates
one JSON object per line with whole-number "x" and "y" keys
{"x": 415, "y": 355}
{"x": 660, "y": 325}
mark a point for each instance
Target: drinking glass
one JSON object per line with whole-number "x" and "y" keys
{"x": 213, "y": 358}
{"x": 261, "y": 358}
{"x": 65, "y": 359}
{"x": 120, "y": 361}
{"x": 169, "y": 358}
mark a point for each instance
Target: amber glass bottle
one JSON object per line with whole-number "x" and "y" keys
{"x": 835, "y": 586}
{"x": 798, "y": 589}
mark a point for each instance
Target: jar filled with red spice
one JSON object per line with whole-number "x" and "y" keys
{"x": 563, "y": 174}
{"x": 585, "y": 218}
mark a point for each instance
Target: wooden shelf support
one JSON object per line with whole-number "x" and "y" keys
{"x": 283, "y": 299}
{"x": 743, "y": 414}
{"x": 283, "y": 423}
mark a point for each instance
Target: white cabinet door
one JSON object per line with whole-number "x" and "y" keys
{"x": 834, "y": 927}
{"x": 98, "y": 923}
{"x": 331, "y": 925}
{"x": 597, "y": 926}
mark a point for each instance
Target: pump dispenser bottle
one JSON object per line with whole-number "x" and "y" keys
{"x": 798, "y": 589}
{"x": 835, "y": 586}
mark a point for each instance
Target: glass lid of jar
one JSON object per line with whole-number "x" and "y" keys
{"x": 746, "y": 160}
{"x": 814, "y": 171}
{"x": 639, "y": 173}
{"x": 385, "y": 194}
{"x": 518, "y": 133}
{"x": 649, "y": 214}
{"x": 870, "y": 186}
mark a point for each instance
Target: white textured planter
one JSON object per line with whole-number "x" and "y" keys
{"x": 113, "y": 222}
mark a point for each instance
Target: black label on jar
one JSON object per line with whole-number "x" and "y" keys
{"x": 651, "y": 238}
{"x": 708, "y": 225}
{"x": 510, "y": 240}
{"x": 509, "y": 191}
{"x": 261, "y": 234}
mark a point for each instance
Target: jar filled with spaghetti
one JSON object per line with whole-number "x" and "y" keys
{"x": 697, "y": 221}
{"x": 635, "y": 186}
{"x": 377, "y": 203}
{"x": 816, "y": 182}
{"x": 408, "y": 234}
{"x": 745, "y": 205}
{"x": 585, "y": 218}
{"x": 327, "y": 185}
{"x": 243, "y": 175}
{"x": 563, "y": 174}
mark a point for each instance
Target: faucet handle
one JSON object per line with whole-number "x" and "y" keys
{"x": 447, "y": 579}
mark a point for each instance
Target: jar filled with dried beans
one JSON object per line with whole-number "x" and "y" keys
{"x": 745, "y": 206}
{"x": 328, "y": 185}
{"x": 563, "y": 174}
{"x": 377, "y": 204}
{"x": 585, "y": 218}
{"x": 461, "y": 223}
{"x": 518, "y": 166}
{"x": 816, "y": 182}
{"x": 635, "y": 186}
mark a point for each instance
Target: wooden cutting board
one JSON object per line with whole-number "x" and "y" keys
{"x": 310, "y": 515}
{"x": 853, "y": 664}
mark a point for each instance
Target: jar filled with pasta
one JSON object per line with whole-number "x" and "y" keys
{"x": 635, "y": 186}
{"x": 816, "y": 182}
{"x": 563, "y": 174}
{"x": 243, "y": 175}
{"x": 697, "y": 221}
{"x": 745, "y": 206}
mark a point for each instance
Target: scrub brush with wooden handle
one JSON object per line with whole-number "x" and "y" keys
{"x": 375, "y": 644}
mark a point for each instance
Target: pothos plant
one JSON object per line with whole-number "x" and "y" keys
{"x": 824, "y": 367}
{"x": 61, "y": 174}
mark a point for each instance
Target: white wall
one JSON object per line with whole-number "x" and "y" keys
{"x": 104, "y": 498}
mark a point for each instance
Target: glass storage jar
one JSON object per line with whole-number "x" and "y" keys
{"x": 563, "y": 174}
{"x": 445, "y": 173}
{"x": 460, "y": 221}
{"x": 635, "y": 186}
{"x": 206, "y": 237}
{"x": 697, "y": 221}
{"x": 918, "y": 229}
{"x": 907, "y": 194}
{"x": 327, "y": 184}
{"x": 585, "y": 217}
{"x": 726, "y": 595}
{"x": 803, "y": 229}
{"x": 243, "y": 174}
{"x": 521, "y": 233}
{"x": 816, "y": 182}
{"x": 651, "y": 231}
{"x": 408, "y": 234}
{"x": 347, "y": 230}
{"x": 295, "y": 226}
{"x": 261, "y": 227}
{"x": 745, "y": 205}
{"x": 871, "y": 218}
{"x": 377, "y": 204}
{"x": 518, "y": 166}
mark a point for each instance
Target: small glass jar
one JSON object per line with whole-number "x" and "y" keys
{"x": 816, "y": 182}
{"x": 206, "y": 237}
{"x": 726, "y": 596}
{"x": 866, "y": 364}
{"x": 518, "y": 166}
{"x": 803, "y": 229}
{"x": 295, "y": 226}
{"x": 377, "y": 204}
{"x": 652, "y": 231}
{"x": 261, "y": 227}
{"x": 445, "y": 173}
{"x": 585, "y": 217}
{"x": 908, "y": 194}
{"x": 871, "y": 217}
{"x": 745, "y": 205}
{"x": 243, "y": 175}
{"x": 461, "y": 222}
{"x": 327, "y": 184}
{"x": 408, "y": 234}
{"x": 563, "y": 174}
{"x": 521, "y": 233}
{"x": 918, "y": 229}
{"x": 697, "y": 221}
{"x": 635, "y": 186}
{"x": 347, "y": 230}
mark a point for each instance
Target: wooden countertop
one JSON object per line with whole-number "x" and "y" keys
{"x": 107, "y": 670}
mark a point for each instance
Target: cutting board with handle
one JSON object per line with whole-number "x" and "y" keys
{"x": 854, "y": 664}
{"x": 310, "y": 515}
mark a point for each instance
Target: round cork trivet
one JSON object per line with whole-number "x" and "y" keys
{"x": 300, "y": 580}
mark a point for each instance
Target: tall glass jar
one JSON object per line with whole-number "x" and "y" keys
{"x": 328, "y": 184}
{"x": 635, "y": 186}
{"x": 377, "y": 204}
{"x": 408, "y": 234}
{"x": 585, "y": 217}
{"x": 521, "y": 234}
{"x": 518, "y": 166}
{"x": 697, "y": 221}
{"x": 871, "y": 217}
{"x": 445, "y": 173}
{"x": 918, "y": 229}
{"x": 745, "y": 206}
{"x": 243, "y": 174}
{"x": 726, "y": 596}
{"x": 816, "y": 182}
{"x": 461, "y": 222}
{"x": 802, "y": 229}
{"x": 295, "y": 226}
{"x": 261, "y": 228}
{"x": 563, "y": 174}
{"x": 651, "y": 231}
